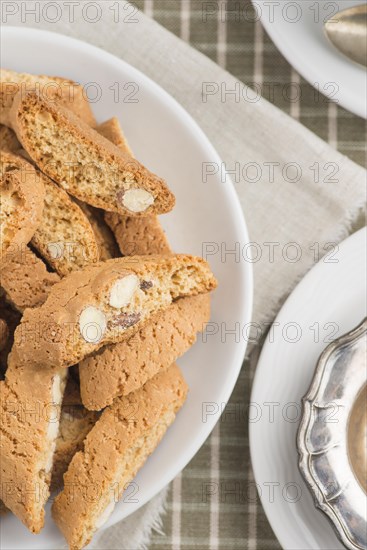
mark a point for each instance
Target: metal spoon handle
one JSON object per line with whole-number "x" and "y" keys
{"x": 347, "y": 31}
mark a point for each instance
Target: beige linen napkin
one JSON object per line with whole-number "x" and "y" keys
{"x": 294, "y": 189}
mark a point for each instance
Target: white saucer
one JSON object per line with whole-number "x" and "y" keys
{"x": 328, "y": 302}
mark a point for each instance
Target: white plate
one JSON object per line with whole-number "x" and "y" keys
{"x": 329, "y": 302}
{"x": 296, "y": 28}
{"x": 169, "y": 142}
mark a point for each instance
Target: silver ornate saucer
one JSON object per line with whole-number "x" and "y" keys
{"x": 322, "y": 440}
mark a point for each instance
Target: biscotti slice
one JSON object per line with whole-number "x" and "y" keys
{"x": 138, "y": 236}
{"x": 11, "y": 161}
{"x": 122, "y": 368}
{"x": 26, "y": 280}
{"x": 55, "y": 89}
{"x": 21, "y": 205}
{"x": 30, "y": 408}
{"x": 134, "y": 235}
{"x": 112, "y": 131}
{"x": 64, "y": 237}
{"x": 114, "y": 450}
{"x": 75, "y": 424}
{"x": 106, "y": 304}
{"x": 8, "y": 139}
{"x": 83, "y": 162}
{"x": 105, "y": 239}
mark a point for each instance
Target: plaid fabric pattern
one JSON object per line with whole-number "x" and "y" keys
{"x": 214, "y": 504}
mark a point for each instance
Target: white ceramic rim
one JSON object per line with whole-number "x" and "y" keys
{"x": 280, "y": 530}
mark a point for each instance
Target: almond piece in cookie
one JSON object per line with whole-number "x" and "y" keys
{"x": 122, "y": 368}
{"x": 106, "y": 304}
{"x": 55, "y": 89}
{"x": 134, "y": 235}
{"x": 8, "y": 139}
{"x": 83, "y": 162}
{"x": 64, "y": 237}
{"x": 21, "y": 205}
{"x": 30, "y": 408}
{"x": 114, "y": 450}
{"x": 25, "y": 279}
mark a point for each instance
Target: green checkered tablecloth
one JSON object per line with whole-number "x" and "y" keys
{"x": 214, "y": 503}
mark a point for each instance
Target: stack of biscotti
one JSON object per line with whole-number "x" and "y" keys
{"x": 101, "y": 308}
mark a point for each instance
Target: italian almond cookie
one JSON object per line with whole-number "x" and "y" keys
{"x": 83, "y": 162}
{"x": 134, "y": 235}
{"x": 105, "y": 238}
{"x": 106, "y": 304}
{"x": 138, "y": 236}
{"x": 30, "y": 408}
{"x": 122, "y": 368}
{"x": 112, "y": 131}
{"x": 55, "y": 89}
{"x": 21, "y": 205}
{"x": 130, "y": 431}
{"x": 8, "y": 139}
{"x": 64, "y": 236}
{"x": 75, "y": 424}
{"x": 25, "y": 279}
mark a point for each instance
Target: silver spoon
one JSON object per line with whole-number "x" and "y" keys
{"x": 347, "y": 31}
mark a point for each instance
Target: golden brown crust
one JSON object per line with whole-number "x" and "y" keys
{"x": 138, "y": 236}
{"x": 64, "y": 236}
{"x": 8, "y": 139}
{"x": 122, "y": 368}
{"x": 58, "y": 332}
{"x": 26, "y": 280}
{"x": 22, "y": 197}
{"x": 30, "y": 407}
{"x": 101, "y": 175}
{"x": 130, "y": 429}
{"x": 56, "y": 89}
